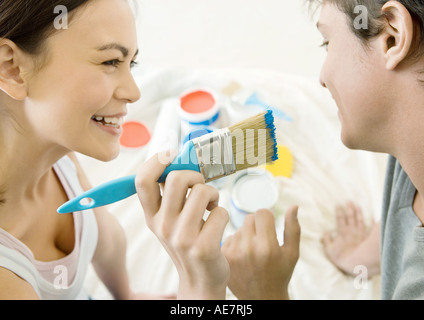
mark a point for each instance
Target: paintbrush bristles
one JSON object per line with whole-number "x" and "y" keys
{"x": 254, "y": 142}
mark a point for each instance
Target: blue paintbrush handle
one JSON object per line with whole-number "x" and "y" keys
{"x": 123, "y": 188}
{"x": 186, "y": 160}
{"x": 102, "y": 195}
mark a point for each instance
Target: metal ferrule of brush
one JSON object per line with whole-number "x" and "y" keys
{"x": 215, "y": 154}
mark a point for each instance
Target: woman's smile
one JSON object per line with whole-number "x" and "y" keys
{"x": 110, "y": 124}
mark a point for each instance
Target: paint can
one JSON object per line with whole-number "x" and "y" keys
{"x": 252, "y": 190}
{"x": 196, "y": 134}
{"x": 134, "y": 135}
{"x": 199, "y": 108}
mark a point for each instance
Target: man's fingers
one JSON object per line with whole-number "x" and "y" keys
{"x": 265, "y": 226}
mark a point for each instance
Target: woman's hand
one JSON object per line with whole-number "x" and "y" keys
{"x": 177, "y": 219}
{"x": 260, "y": 268}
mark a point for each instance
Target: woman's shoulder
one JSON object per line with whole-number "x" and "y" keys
{"x": 15, "y": 287}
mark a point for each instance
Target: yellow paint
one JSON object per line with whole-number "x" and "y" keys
{"x": 283, "y": 167}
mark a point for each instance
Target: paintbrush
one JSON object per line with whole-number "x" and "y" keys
{"x": 248, "y": 144}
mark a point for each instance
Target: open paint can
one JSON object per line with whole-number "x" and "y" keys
{"x": 196, "y": 134}
{"x": 134, "y": 135}
{"x": 199, "y": 109}
{"x": 252, "y": 190}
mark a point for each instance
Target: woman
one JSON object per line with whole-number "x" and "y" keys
{"x": 65, "y": 80}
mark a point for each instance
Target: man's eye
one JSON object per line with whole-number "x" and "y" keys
{"x": 325, "y": 44}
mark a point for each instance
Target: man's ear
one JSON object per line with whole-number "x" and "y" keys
{"x": 398, "y": 35}
{"x": 12, "y": 81}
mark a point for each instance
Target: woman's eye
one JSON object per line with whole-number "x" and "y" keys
{"x": 112, "y": 63}
{"x": 116, "y": 63}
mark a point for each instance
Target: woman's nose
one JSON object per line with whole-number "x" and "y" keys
{"x": 128, "y": 90}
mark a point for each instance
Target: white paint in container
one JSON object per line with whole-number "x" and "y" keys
{"x": 252, "y": 190}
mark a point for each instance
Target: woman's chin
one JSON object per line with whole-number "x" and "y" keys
{"x": 104, "y": 155}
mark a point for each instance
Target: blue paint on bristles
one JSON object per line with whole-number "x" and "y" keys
{"x": 269, "y": 120}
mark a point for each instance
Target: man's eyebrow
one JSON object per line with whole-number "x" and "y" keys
{"x": 116, "y": 46}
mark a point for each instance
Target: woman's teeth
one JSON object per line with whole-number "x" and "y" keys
{"x": 108, "y": 121}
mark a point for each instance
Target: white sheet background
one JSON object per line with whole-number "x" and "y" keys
{"x": 270, "y": 46}
{"x": 272, "y": 34}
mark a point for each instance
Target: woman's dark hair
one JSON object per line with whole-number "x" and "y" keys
{"x": 376, "y": 19}
{"x": 28, "y": 23}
